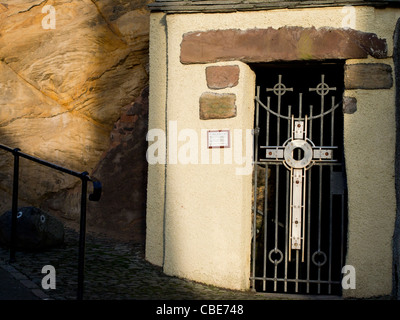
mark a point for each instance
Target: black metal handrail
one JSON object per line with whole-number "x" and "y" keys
{"x": 95, "y": 196}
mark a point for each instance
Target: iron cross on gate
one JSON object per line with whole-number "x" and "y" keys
{"x": 298, "y": 154}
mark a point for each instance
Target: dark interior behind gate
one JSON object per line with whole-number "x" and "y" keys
{"x": 286, "y": 91}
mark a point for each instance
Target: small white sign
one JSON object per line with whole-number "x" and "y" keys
{"x": 218, "y": 139}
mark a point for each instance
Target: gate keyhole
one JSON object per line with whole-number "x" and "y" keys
{"x": 298, "y": 154}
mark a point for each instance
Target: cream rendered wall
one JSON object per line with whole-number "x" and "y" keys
{"x": 208, "y": 207}
{"x": 207, "y": 221}
{"x": 369, "y": 136}
{"x": 156, "y": 172}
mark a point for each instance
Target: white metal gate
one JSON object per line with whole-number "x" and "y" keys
{"x": 299, "y": 209}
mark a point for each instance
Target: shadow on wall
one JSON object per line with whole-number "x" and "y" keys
{"x": 73, "y": 78}
{"x": 123, "y": 172}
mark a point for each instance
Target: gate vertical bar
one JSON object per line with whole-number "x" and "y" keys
{"x": 275, "y": 223}
{"x": 256, "y": 132}
{"x": 342, "y": 225}
{"x": 278, "y": 133}
{"x": 14, "y": 207}
{"x": 297, "y": 271}
{"x": 82, "y": 233}
{"x": 331, "y": 201}
{"x": 266, "y": 203}
{"x": 321, "y": 143}
{"x": 303, "y": 201}
{"x": 303, "y": 179}
{"x": 287, "y": 205}
{"x": 309, "y": 209}
{"x": 342, "y": 232}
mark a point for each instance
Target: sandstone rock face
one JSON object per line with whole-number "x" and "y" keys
{"x": 63, "y": 90}
{"x": 36, "y": 229}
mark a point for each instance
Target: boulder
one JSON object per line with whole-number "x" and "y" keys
{"x": 36, "y": 229}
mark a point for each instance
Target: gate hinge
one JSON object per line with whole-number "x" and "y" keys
{"x": 255, "y": 131}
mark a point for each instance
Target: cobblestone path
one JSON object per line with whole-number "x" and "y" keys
{"x": 114, "y": 270}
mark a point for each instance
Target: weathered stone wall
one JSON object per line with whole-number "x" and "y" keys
{"x": 75, "y": 95}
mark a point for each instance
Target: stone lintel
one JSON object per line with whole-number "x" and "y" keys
{"x": 283, "y": 44}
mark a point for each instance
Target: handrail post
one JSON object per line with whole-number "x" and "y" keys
{"x": 14, "y": 208}
{"x": 95, "y": 196}
{"x": 82, "y": 232}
